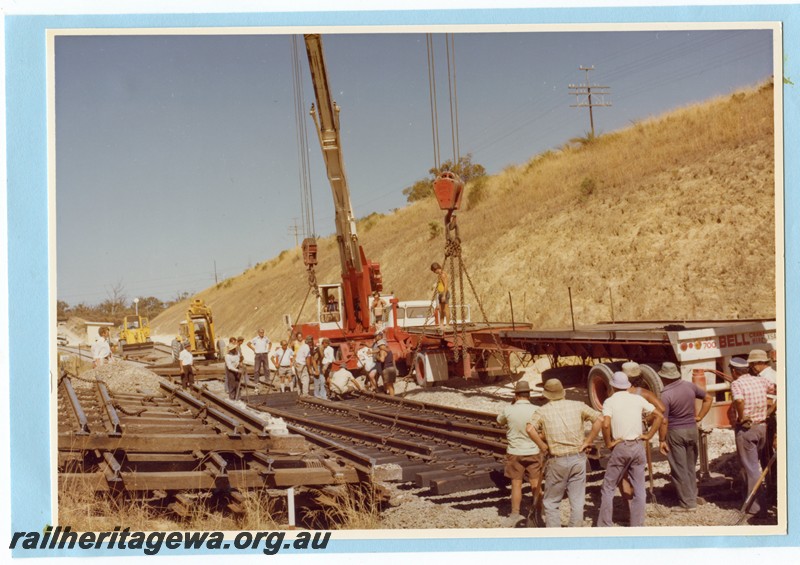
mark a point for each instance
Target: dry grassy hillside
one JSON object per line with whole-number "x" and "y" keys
{"x": 673, "y": 218}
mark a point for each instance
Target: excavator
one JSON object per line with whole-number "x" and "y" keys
{"x": 134, "y": 336}
{"x": 198, "y": 330}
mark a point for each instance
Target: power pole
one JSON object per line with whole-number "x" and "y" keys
{"x": 586, "y": 91}
{"x": 295, "y": 230}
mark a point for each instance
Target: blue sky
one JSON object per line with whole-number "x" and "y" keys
{"x": 174, "y": 153}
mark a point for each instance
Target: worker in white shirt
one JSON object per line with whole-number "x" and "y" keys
{"x": 186, "y": 359}
{"x": 101, "y": 349}
{"x": 260, "y": 346}
{"x": 302, "y": 361}
{"x": 342, "y": 381}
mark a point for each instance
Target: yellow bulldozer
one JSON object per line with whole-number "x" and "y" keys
{"x": 198, "y": 330}
{"x": 134, "y": 336}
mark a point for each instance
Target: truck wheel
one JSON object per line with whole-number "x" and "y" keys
{"x": 649, "y": 379}
{"x": 598, "y": 384}
{"x": 487, "y": 378}
{"x": 419, "y": 369}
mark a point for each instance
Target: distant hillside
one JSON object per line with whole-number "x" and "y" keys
{"x": 671, "y": 218}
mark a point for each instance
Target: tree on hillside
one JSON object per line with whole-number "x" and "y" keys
{"x": 150, "y": 306}
{"x": 465, "y": 169}
{"x": 116, "y": 300}
{"x": 420, "y": 190}
{"x": 62, "y": 309}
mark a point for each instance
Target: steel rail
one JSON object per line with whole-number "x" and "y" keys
{"x": 373, "y": 437}
{"x": 105, "y": 400}
{"x": 77, "y": 409}
{"x": 393, "y": 422}
{"x": 232, "y": 424}
{"x": 451, "y": 410}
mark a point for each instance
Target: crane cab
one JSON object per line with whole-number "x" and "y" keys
{"x": 329, "y": 307}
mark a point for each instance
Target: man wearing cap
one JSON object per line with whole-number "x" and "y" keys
{"x": 260, "y": 346}
{"x": 749, "y": 394}
{"x": 562, "y": 423}
{"x": 678, "y": 432}
{"x": 760, "y": 365}
{"x": 634, "y": 370}
{"x": 302, "y": 364}
{"x": 342, "y": 381}
{"x": 283, "y": 359}
{"x": 522, "y": 454}
{"x": 622, "y": 432}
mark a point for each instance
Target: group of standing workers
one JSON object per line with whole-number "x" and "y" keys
{"x": 309, "y": 368}
{"x": 550, "y": 442}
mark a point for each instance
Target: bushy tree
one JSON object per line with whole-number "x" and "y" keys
{"x": 465, "y": 169}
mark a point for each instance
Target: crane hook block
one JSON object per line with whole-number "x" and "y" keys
{"x": 309, "y": 252}
{"x": 448, "y": 188}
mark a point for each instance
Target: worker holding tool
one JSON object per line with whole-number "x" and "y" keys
{"x": 562, "y": 424}
{"x": 522, "y": 454}
{"x": 750, "y": 403}
{"x": 623, "y": 435}
{"x": 678, "y": 435}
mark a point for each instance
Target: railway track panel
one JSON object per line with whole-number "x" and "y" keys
{"x": 178, "y": 441}
{"x": 445, "y": 450}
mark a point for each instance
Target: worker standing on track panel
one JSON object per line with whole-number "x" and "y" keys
{"x": 260, "y": 346}
{"x": 232, "y": 364}
{"x": 321, "y": 383}
{"x": 562, "y": 423}
{"x": 522, "y": 454}
{"x": 283, "y": 359}
{"x": 302, "y": 364}
{"x": 622, "y": 432}
{"x": 679, "y": 439}
{"x": 186, "y": 360}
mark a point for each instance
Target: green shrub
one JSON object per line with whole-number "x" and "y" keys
{"x": 434, "y": 229}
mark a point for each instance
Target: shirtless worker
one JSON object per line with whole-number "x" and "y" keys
{"x": 442, "y": 294}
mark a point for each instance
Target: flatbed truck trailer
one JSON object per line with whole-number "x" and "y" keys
{"x": 702, "y": 349}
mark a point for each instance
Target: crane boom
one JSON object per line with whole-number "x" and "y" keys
{"x": 359, "y": 276}
{"x": 326, "y": 119}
